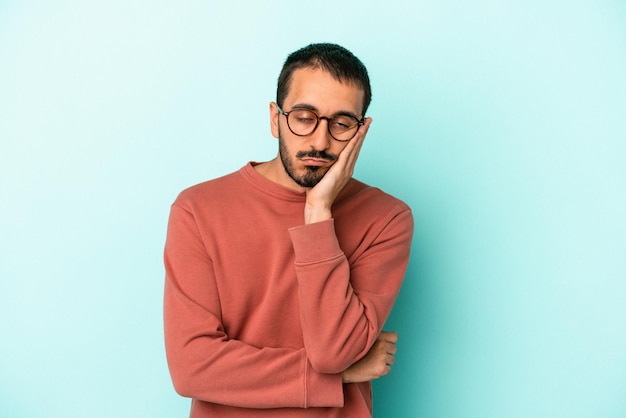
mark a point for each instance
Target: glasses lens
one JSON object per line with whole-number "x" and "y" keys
{"x": 301, "y": 121}
{"x": 343, "y": 128}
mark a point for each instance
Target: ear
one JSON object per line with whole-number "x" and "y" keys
{"x": 274, "y": 115}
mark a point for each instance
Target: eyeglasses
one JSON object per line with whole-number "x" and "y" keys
{"x": 303, "y": 122}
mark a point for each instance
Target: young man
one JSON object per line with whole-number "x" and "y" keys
{"x": 280, "y": 276}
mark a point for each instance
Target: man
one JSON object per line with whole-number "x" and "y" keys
{"x": 280, "y": 276}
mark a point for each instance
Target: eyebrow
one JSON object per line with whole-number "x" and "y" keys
{"x": 313, "y": 108}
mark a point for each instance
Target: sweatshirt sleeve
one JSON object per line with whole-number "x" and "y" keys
{"x": 204, "y": 362}
{"x": 345, "y": 303}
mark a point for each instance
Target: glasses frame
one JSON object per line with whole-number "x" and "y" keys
{"x": 317, "y": 122}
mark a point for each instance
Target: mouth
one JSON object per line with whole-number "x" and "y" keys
{"x": 317, "y": 162}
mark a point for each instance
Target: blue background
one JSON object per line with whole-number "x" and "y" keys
{"x": 502, "y": 123}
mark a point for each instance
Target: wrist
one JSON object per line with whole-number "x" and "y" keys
{"x": 345, "y": 376}
{"x": 314, "y": 214}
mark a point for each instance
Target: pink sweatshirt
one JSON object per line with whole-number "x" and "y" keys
{"x": 263, "y": 313}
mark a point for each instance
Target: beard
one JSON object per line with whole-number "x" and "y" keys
{"x": 312, "y": 174}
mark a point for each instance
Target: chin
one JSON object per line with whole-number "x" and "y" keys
{"x": 310, "y": 177}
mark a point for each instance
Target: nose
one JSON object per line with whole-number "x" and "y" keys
{"x": 320, "y": 138}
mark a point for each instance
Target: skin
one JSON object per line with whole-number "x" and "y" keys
{"x": 376, "y": 363}
{"x": 317, "y": 89}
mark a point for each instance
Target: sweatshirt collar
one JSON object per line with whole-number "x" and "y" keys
{"x": 268, "y": 187}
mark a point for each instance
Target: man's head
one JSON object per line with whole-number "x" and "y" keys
{"x": 330, "y": 85}
{"x": 335, "y": 59}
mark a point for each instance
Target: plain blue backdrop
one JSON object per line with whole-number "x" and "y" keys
{"x": 502, "y": 123}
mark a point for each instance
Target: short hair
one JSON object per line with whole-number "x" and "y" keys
{"x": 342, "y": 64}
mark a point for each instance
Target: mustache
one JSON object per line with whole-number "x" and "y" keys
{"x": 322, "y": 155}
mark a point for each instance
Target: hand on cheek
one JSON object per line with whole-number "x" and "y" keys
{"x": 321, "y": 197}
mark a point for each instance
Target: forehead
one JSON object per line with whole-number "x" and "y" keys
{"x": 318, "y": 88}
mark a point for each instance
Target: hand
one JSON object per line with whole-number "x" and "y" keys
{"x": 376, "y": 363}
{"x": 320, "y": 198}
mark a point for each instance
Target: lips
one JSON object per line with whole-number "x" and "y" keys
{"x": 314, "y": 162}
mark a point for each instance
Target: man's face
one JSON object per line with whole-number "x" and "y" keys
{"x": 307, "y": 158}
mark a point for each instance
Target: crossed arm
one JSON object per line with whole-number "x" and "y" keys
{"x": 342, "y": 340}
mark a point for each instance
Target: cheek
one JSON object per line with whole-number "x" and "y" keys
{"x": 285, "y": 150}
{"x": 336, "y": 147}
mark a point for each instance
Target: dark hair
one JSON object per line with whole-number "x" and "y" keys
{"x": 337, "y": 60}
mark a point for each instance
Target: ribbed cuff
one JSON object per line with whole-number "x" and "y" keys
{"x": 323, "y": 390}
{"x": 315, "y": 242}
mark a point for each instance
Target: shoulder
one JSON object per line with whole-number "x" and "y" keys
{"x": 361, "y": 196}
{"x": 209, "y": 190}
{"x": 361, "y": 207}
{"x": 365, "y": 215}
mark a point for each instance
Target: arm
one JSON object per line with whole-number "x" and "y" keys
{"x": 344, "y": 304}
{"x": 204, "y": 362}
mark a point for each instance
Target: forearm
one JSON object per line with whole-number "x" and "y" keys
{"x": 206, "y": 362}
{"x": 206, "y": 365}
{"x": 345, "y": 304}
{"x": 338, "y": 325}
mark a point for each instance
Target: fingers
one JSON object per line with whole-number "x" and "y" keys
{"x": 354, "y": 147}
{"x": 385, "y": 367}
{"x": 388, "y": 341}
{"x": 389, "y": 359}
{"x": 360, "y": 135}
{"x": 389, "y": 336}
{"x": 351, "y": 152}
{"x": 386, "y": 347}
{"x": 377, "y": 362}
